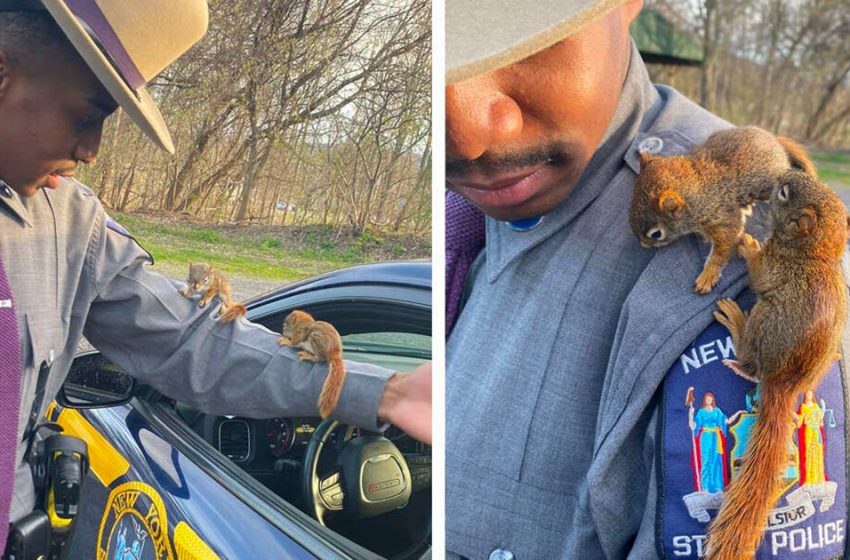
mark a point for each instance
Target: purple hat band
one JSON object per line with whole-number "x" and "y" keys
{"x": 89, "y": 12}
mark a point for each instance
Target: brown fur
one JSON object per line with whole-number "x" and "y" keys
{"x": 787, "y": 343}
{"x": 709, "y": 191}
{"x": 319, "y": 342}
{"x": 797, "y": 156}
{"x": 211, "y": 282}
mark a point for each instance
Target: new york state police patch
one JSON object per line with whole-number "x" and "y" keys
{"x": 708, "y": 412}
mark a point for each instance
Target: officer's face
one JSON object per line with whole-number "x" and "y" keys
{"x": 52, "y": 114}
{"x": 519, "y": 138}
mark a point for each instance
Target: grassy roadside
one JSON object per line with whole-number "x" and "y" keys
{"x": 833, "y": 168}
{"x": 276, "y": 254}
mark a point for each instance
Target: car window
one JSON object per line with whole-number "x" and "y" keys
{"x": 392, "y": 350}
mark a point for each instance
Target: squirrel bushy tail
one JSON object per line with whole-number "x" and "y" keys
{"x": 233, "y": 312}
{"x": 797, "y": 156}
{"x": 742, "y": 520}
{"x": 332, "y": 387}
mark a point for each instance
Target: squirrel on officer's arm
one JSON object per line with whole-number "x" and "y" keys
{"x": 204, "y": 278}
{"x": 787, "y": 343}
{"x": 319, "y": 341}
{"x": 711, "y": 191}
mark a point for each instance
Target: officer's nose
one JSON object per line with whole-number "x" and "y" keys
{"x": 88, "y": 144}
{"x": 479, "y": 117}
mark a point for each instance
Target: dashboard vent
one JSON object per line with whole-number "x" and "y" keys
{"x": 234, "y": 440}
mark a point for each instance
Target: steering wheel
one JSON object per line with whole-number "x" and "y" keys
{"x": 371, "y": 475}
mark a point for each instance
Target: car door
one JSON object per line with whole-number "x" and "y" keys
{"x": 153, "y": 493}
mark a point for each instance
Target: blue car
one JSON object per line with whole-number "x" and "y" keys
{"x": 169, "y": 482}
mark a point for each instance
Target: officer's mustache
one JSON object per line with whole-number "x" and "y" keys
{"x": 556, "y": 154}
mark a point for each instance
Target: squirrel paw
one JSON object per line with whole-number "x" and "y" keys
{"x": 707, "y": 279}
{"x": 749, "y": 246}
{"x": 730, "y": 315}
{"x": 283, "y": 341}
{"x": 307, "y": 356}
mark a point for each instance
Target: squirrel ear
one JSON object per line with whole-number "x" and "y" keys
{"x": 803, "y": 223}
{"x": 671, "y": 202}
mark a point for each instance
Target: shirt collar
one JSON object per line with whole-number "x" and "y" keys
{"x": 636, "y": 110}
{"x": 13, "y": 202}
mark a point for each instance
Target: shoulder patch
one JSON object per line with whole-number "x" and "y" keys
{"x": 707, "y": 414}
{"x": 118, "y": 228}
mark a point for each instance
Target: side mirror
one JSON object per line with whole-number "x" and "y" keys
{"x": 95, "y": 382}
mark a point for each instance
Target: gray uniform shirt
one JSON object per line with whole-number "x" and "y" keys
{"x": 554, "y": 364}
{"x": 72, "y": 275}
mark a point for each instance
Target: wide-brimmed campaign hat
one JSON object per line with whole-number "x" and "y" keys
{"x": 126, "y": 43}
{"x": 483, "y": 35}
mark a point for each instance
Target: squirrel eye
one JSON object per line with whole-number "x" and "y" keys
{"x": 656, "y": 233}
{"x": 783, "y": 193}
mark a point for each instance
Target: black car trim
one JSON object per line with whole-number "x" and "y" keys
{"x": 402, "y": 294}
{"x": 283, "y": 515}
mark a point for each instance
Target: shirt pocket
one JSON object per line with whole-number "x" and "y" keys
{"x": 42, "y": 347}
{"x": 708, "y": 413}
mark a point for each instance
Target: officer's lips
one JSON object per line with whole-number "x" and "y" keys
{"x": 502, "y": 190}
{"x": 55, "y": 178}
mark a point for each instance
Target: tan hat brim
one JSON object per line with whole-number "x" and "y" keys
{"x": 484, "y": 35}
{"x": 137, "y": 104}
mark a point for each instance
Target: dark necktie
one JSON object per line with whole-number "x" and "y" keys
{"x": 464, "y": 240}
{"x": 10, "y": 399}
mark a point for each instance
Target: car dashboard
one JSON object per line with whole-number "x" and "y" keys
{"x": 272, "y": 449}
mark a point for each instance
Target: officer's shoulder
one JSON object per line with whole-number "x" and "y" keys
{"x": 684, "y": 117}
{"x": 84, "y": 206}
{"x": 76, "y": 196}
{"x": 679, "y": 127}
{"x": 74, "y": 205}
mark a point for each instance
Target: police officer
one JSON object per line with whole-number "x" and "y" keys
{"x": 67, "y": 270}
{"x": 568, "y": 437}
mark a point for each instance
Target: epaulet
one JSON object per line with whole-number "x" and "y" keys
{"x": 121, "y": 230}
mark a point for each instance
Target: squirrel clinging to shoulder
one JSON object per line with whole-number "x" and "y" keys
{"x": 787, "y": 343}
{"x": 204, "y": 278}
{"x": 711, "y": 191}
{"x": 319, "y": 341}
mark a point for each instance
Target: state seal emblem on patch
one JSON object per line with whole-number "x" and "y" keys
{"x": 708, "y": 415}
{"x": 134, "y": 525}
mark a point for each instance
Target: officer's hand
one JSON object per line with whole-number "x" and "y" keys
{"x": 406, "y": 402}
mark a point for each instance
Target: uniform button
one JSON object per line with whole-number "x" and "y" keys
{"x": 501, "y": 554}
{"x": 653, "y": 145}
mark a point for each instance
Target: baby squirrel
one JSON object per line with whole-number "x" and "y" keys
{"x": 319, "y": 342}
{"x": 786, "y": 342}
{"x": 211, "y": 281}
{"x": 711, "y": 191}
